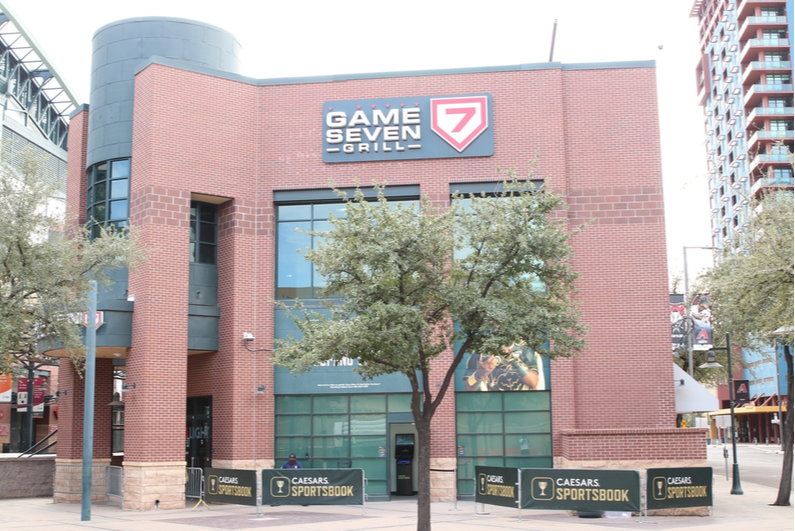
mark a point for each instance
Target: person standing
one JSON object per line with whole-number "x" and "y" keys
{"x": 292, "y": 462}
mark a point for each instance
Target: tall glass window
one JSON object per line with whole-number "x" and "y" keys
{"x": 512, "y": 429}
{"x": 108, "y": 195}
{"x": 203, "y": 232}
{"x": 295, "y": 276}
{"x": 339, "y": 431}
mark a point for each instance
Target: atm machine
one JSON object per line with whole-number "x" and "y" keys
{"x": 404, "y": 454}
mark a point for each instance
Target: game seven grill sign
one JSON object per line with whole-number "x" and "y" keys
{"x": 408, "y": 128}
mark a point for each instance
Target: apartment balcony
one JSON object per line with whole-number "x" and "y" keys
{"x": 776, "y": 136}
{"x": 762, "y": 161}
{"x": 751, "y": 24}
{"x": 752, "y": 47}
{"x": 754, "y": 93}
{"x": 753, "y": 70}
{"x": 748, "y": 7}
{"x": 771, "y": 183}
{"x": 756, "y": 117}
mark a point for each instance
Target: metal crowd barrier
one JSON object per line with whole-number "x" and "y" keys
{"x": 114, "y": 484}
{"x": 194, "y": 484}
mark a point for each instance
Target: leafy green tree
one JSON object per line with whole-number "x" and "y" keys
{"x": 45, "y": 270}
{"x": 751, "y": 291}
{"x": 414, "y": 291}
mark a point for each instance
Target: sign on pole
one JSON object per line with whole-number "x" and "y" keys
{"x": 307, "y": 486}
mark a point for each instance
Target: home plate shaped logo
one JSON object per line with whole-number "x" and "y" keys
{"x": 459, "y": 120}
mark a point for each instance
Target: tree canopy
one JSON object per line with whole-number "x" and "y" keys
{"x": 411, "y": 291}
{"x": 45, "y": 271}
{"x": 751, "y": 292}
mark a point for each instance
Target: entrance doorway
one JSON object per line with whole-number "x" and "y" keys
{"x": 198, "y": 443}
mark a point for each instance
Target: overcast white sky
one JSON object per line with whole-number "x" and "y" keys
{"x": 315, "y": 37}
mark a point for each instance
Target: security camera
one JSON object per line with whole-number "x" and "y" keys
{"x": 248, "y": 337}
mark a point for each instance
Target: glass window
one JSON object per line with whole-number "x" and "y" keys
{"x": 330, "y": 404}
{"x": 479, "y": 422}
{"x": 527, "y": 401}
{"x": 293, "y": 404}
{"x": 486, "y": 445}
{"x": 367, "y": 446}
{"x": 293, "y": 425}
{"x": 529, "y": 422}
{"x": 330, "y": 447}
{"x": 330, "y": 424}
{"x": 295, "y": 276}
{"x": 368, "y": 424}
{"x": 399, "y": 403}
{"x": 204, "y": 224}
{"x": 368, "y": 403}
{"x": 108, "y": 195}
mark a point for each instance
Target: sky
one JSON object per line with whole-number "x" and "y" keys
{"x": 315, "y": 37}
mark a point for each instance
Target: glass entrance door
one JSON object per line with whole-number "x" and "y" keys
{"x": 198, "y": 442}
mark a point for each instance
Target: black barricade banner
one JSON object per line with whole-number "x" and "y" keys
{"x": 313, "y": 486}
{"x": 497, "y": 486}
{"x": 583, "y": 490}
{"x": 225, "y": 485}
{"x": 668, "y": 488}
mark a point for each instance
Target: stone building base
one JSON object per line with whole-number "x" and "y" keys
{"x": 443, "y": 484}
{"x": 147, "y": 483}
{"x": 68, "y": 483}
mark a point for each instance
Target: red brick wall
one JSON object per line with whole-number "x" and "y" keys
{"x": 640, "y": 444}
{"x": 597, "y": 136}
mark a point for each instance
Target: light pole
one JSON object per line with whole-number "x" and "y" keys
{"x": 712, "y": 364}
{"x": 687, "y": 309}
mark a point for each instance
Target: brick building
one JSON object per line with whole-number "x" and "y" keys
{"x": 216, "y": 171}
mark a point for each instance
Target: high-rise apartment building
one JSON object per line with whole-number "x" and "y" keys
{"x": 744, "y": 82}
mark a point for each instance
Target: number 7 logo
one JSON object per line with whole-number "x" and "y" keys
{"x": 459, "y": 120}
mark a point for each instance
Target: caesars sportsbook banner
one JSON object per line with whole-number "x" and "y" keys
{"x": 225, "y": 485}
{"x": 408, "y": 127}
{"x": 581, "y": 490}
{"x": 668, "y": 488}
{"x": 497, "y": 486}
{"x": 318, "y": 486}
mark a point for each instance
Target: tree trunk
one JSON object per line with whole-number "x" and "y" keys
{"x": 423, "y": 426}
{"x": 785, "y": 486}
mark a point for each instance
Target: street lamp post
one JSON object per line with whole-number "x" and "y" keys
{"x": 711, "y": 363}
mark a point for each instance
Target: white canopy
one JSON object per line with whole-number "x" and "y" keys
{"x": 691, "y": 396}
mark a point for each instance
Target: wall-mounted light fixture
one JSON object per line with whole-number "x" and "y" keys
{"x": 261, "y": 390}
{"x": 127, "y": 387}
{"x": 248, "y": 337}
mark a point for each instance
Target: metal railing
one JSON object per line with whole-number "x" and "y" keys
{"x": 194, "y": 484}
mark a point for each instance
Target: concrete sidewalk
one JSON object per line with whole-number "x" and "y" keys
{"x": 731, "y": 513}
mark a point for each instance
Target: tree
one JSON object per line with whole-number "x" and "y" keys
{"x": 44, "y": 270}
{"x": 751, "y": 291}
{"x": 415, "y": 291}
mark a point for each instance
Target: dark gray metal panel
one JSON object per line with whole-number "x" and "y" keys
{"x": 120, "y": 48}
{"x": 204, "y": 311}
{"x": 203, "y": 284}
{"x": 202, "y": 332}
